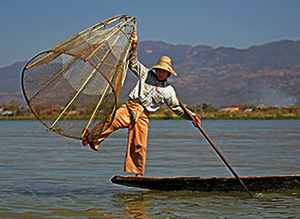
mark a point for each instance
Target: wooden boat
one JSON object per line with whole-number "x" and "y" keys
{"x": 214, "y": 184}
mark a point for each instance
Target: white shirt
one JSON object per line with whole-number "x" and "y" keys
{"x": 151, "y": 93}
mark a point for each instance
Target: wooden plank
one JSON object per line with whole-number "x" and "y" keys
{"x": 214, "y": 184}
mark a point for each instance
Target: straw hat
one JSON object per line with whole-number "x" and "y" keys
{"x": 164, "y": 63}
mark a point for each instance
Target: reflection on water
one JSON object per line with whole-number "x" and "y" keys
{"x": 178, "y": 204}
{"x": 44, "y": 175}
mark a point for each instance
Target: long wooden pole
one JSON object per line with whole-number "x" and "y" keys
{"x": 214, "y": 147}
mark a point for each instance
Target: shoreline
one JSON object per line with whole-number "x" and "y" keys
{"x": 175, "y": 117}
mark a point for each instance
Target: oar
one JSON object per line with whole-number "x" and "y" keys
{"x": 214, "y": 147}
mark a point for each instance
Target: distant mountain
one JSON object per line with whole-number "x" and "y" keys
{"x": 10, "y": 84}
{"x": 268, "y": 74}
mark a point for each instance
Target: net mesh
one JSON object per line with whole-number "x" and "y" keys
{"x": 79, "y": 81}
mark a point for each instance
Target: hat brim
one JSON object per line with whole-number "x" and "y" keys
{"x": 167, "y": 69}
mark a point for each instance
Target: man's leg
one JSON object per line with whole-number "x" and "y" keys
{"x": 121, "y": 120}
{"x": 137, "y": 146}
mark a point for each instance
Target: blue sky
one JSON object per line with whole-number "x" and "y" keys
{"x": 29, "y": 27}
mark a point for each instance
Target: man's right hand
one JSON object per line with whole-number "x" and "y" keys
{"x": 134, "y": 39}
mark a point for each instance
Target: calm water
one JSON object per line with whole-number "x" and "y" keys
{"x": 44, "y": 175}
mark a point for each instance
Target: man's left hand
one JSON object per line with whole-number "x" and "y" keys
{"x": 196, "y": 121}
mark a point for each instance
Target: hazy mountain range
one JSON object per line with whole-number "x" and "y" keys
{"x": 268, "y": 74}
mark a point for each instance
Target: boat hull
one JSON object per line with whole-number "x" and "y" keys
{"x": 213, "y": 184}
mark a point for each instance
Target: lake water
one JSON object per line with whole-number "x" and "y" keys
{"x": 45, "y": 175}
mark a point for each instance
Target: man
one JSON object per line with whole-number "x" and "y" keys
{"x": 151, "y": 91}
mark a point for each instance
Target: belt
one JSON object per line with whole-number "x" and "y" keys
{"x": 135, "y": 114}
{"x": 137, "y": 104}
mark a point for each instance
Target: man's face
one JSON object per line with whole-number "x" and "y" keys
{"x": 161, "y": 74}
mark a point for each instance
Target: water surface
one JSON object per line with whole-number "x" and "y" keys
{"x": 44, "y": 175}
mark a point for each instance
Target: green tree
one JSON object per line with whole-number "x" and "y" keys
{"x": 209, "y": 108}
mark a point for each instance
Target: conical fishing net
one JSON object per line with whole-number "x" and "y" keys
{"x": 79, "y": 81}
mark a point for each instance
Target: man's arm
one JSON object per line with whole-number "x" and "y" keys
{"x": 134, "y": 65}
{"x": 173, "y": 103}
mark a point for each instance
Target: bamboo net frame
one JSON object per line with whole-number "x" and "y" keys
{"x": 82, "y": 76}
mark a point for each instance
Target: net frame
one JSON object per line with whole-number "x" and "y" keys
{"x": 102, "y": 38}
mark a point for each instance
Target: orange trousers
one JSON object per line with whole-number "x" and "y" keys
{"x": 133, "y": 116}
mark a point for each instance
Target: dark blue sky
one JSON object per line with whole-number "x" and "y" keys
{"x": 32, "y": 26}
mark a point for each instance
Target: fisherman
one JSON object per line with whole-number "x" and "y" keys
{"x": 151, "y": 91}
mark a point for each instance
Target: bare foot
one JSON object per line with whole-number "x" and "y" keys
{"x": 139, "y": 175}
{"x": 96, "y": 147}
{"x": 93, "y": 146}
